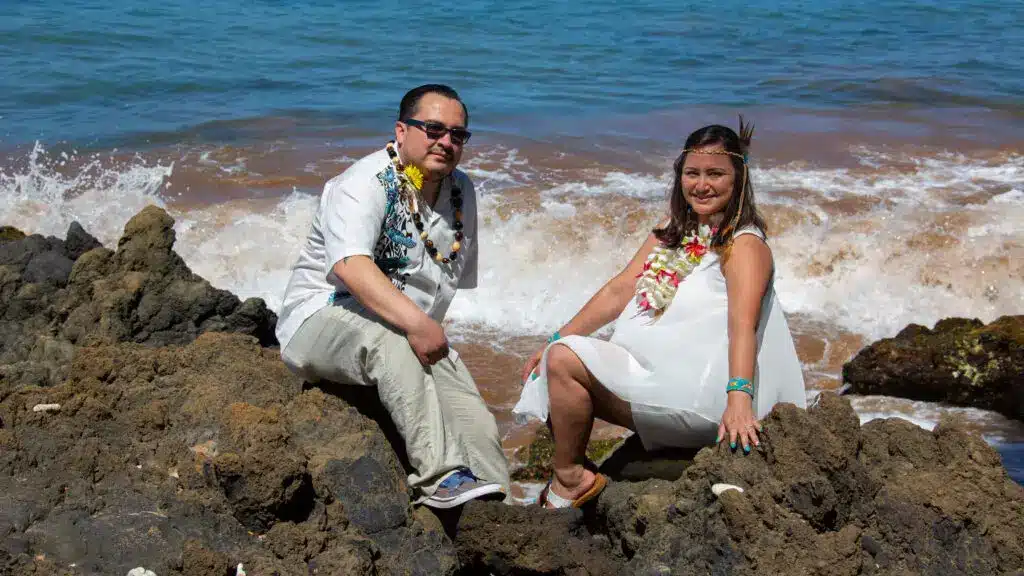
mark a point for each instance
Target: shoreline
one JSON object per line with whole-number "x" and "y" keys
{"x": 784, "y": 133}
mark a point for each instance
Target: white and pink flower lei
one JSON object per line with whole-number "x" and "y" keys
{"x": 666, "y": 267}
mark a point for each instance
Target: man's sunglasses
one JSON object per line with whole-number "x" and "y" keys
{"x": 436, "y": 131}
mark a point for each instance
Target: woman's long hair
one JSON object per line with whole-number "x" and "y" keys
{"x": 741, "y": 210}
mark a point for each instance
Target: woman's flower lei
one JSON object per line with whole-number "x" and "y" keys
{"x": 666, "y": 267}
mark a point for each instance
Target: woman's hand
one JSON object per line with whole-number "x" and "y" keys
{"x": 532, "y": 363}
{"x": 739, "y": 422}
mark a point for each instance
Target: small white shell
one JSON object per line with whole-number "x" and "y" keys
{"x": 239, "y": 571}
{"x": 46, "y": 407}
{"x": 718, "y": 489}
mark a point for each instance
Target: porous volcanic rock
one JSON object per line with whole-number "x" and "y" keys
{"x": 959, "y": 361}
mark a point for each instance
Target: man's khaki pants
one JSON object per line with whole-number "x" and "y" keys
{"x": 436, "y": 409}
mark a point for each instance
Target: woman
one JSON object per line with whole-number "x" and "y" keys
{"x": 700, "y": 345}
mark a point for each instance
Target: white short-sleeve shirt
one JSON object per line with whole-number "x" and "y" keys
{"x": 362, "y": 214}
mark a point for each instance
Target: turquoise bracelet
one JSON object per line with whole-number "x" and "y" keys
{"x": 740, "y": 385}
{"x": 554, "y": 337}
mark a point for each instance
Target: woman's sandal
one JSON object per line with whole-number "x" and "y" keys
{"x": 556, "y": 501}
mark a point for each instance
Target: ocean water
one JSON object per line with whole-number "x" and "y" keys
{"x": 85, "y": 70}
{"x": 887, "y": 158}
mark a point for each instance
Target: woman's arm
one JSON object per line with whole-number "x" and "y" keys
{"x": 746, "y": 271}
{"x": 605, "y": 305}
{"x": 611, "y": 299}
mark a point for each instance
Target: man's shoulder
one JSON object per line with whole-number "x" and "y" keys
{"x": 462, "y": 180}
{"x": 363, "y": 172}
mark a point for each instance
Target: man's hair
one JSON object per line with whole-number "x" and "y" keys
{"x": 411, "y": 100}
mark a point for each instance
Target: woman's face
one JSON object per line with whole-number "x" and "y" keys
{"x": 707, "y": 181}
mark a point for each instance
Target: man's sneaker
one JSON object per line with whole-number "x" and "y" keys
{"x": 461, "y": 487}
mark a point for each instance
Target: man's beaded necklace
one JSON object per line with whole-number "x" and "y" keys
{"x": 412, "y": 194}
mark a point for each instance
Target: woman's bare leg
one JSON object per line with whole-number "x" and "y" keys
{"x": 576, "y": 399}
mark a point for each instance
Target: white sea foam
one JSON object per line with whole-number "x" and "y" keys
{"x": 252, "y": 254}
{"x": 1014, "y": 196}
{"x": 924, "y": 257}
{"x": 862, "y": 272}
{"x": 102, "y": 194}
{"x": 497, "y": 168}
{"x": 641, "y": 186}
{"x": 532, "y": 280}
{"x": 238, "y": 166}
{"x": 996, "y": 428}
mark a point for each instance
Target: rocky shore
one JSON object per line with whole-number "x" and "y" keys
{"x": 146, "y": 421}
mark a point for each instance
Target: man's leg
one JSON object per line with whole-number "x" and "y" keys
{"x": 346, "y": 347}
{"x": 473, "y": 424}
{"x": 410, "y": 393}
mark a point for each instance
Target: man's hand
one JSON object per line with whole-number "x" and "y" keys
{"x": 427, "y": 339}
{"x": 375, "y": 291}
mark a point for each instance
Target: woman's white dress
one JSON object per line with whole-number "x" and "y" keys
{"x": 673, "y": 371}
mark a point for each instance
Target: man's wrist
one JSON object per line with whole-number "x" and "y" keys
{"x": 414, "y": 321}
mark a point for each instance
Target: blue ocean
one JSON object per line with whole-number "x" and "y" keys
{"x": 89, "y": 71}
{"x": 888, "y": 154}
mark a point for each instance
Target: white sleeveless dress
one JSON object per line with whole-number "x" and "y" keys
{"x": 673, "y": 371}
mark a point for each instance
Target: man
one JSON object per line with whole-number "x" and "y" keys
{"x": 375, "y": 279}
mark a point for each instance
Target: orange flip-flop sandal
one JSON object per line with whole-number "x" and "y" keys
{"x": 556, "y": 501}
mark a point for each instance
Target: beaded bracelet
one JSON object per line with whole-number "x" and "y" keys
{"x": 740, "y": 385}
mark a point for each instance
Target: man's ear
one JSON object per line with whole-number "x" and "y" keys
{"x": 400, "y": 129}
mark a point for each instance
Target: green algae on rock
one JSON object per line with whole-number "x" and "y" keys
{"x": 960, "y": 361}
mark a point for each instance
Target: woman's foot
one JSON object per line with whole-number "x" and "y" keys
{"x": 572, "y": 485}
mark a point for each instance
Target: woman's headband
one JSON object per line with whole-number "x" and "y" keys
{"x": 718, "y": 152}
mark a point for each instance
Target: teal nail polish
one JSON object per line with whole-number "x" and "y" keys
{"x": 732, "y": 445}
{"x": 718, "y": 439}
{"x": 746, "y": 449}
